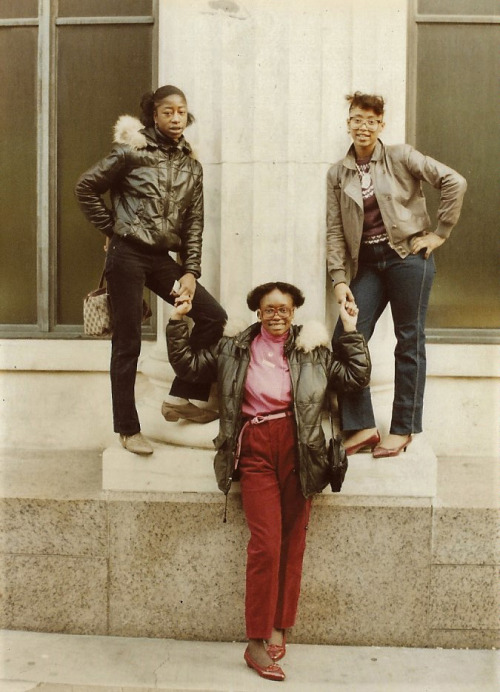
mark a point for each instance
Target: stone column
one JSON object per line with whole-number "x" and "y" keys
{"x": 266, "y": 83}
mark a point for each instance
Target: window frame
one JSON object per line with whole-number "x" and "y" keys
{"x": 47, "y": 22}
{"x": 436, "y": 335}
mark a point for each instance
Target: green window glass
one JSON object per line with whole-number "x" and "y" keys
{"x": 68, "y": 70}
{"x": 15, "y": 9}
{"x": 18, "y": 186}
{"x": 456, "y": 116}
{"x": 91, "y": 94}
{"x": 104, "y": 8}
{"x": 459, "y": 7}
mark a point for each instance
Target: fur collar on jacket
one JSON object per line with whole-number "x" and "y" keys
{"x": 130, "y": 131}
{"x": 307, "y": 337}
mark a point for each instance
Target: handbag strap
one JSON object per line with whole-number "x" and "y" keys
{"x": 102, "y": 280}
{"x": 330, "y": 418}
{"x": 335, "y": 436}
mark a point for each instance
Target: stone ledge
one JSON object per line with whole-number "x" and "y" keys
{"x": 185, "y": 469}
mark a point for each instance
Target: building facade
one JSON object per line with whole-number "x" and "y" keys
{"x": 266, "y": 80}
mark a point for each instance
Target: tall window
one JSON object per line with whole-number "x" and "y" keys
{"x": 68, "y": 68}
{"x": 455, "y": 73}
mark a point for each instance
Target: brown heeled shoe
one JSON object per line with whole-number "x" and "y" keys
{"x": 272, "y": 672}
{"x": 380, "y": 452}
{"x": 277, "y": 651}
{"x": 366, "y": 445}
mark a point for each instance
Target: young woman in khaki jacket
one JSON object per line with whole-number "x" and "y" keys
{"x": 378, "y": 223}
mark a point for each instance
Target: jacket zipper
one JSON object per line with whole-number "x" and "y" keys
{"x": 230, "y": 479}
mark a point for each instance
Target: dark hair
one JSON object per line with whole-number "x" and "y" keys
{"x": 151, "y": 100}
{"x": 366, "y": 102}
{"x": 256, "y": 294}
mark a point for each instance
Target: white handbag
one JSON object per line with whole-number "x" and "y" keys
{"x": 97, "y": 312}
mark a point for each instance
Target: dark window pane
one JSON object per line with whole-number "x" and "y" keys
{"x": 10, "y": 9}
{"x": 95, "y": 86}
{"x": 457, "y": 123}
{"x": 461, "y": 7}
{"x": 105, "y": 8}
{"x": 18, "y": 193}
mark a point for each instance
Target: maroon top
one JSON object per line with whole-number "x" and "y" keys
{"x": 372, "y": 224}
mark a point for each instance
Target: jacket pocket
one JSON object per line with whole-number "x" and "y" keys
{"x": 148, "y": 220}
{"x": 315, "y": 460}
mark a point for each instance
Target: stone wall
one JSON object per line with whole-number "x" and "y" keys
{"x": 382, "y": 571}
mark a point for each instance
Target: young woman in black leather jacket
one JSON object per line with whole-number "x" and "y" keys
{"x": 156, "y": 190}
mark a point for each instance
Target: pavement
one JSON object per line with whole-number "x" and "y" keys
{"x": 81, "y": 663}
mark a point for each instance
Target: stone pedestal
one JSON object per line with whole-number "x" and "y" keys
{"x": 186, "y": 469}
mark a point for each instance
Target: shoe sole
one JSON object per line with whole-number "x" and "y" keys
{"x": 172, "y": 417}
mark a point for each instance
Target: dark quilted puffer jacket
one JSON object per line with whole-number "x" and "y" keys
{"x": 156, "y": 190}
{"x": 314, "y": 369}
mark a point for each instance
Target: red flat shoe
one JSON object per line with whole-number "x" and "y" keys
{"x": 272, "y": 672}
{"x": 369, "y": 444}
{"x": 277, "y": 651}
{"x": 380, "y": 452}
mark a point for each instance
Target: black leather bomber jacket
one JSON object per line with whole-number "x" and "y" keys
{"x": 314, "y": 369}
{"x": 156, "y": 190}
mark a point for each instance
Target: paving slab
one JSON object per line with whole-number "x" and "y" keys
{"x": 80, "y": 663}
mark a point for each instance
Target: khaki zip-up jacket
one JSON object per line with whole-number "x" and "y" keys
{"x": 397, "y": 173}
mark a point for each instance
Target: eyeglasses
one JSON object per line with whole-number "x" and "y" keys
{"x": 281, "y": 312}
{"x": 370, "y": 123}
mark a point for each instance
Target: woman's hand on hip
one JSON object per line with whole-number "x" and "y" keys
{"x": 428, "y": 242}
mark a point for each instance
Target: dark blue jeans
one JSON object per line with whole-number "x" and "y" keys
{"x": 129, "y": 268}
{"x": 383, "y": 277}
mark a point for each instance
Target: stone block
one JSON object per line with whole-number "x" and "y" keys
{"x": 366, "y": 576}
{"x": 172, "y": 469}
{"x": 168, "y": 469}
{"x": 468, "y": 536}
{"x": 465, "y": 597}
{"x": 50, "y": 527}
{"x": 176, "y": 570}
{"x": 412, "y": 474}
{"x": 53, "y": 593}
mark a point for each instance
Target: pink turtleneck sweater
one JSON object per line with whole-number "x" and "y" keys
{"x": 268, "y": 388}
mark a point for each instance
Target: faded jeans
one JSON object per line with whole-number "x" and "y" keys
{"x": 405, "y": 284}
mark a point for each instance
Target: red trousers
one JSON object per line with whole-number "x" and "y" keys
{"x": 277, "y": 515}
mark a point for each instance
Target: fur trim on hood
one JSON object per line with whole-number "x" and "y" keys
{"x": 311, "y": 335}
{"x": 130, "y": 131}
{"x": 127, "y": 130}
